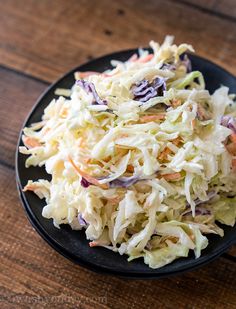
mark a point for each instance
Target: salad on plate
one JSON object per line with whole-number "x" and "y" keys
{"x": 142, "y": 156}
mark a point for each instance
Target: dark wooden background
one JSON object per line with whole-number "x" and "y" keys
{"x": 39, "y": 41}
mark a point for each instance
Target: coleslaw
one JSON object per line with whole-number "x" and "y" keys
{"x": 142, "y": 156}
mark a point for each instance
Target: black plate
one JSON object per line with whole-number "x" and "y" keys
{"x": 73, "y": 244}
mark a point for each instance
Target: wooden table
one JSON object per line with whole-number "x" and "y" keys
{"x": 39, "y": 41}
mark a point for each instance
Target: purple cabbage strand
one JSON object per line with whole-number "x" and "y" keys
{"x": 81, "y": 220}
{"x": 85, "y": 183}
{"x": 186, "y": 62}
{"x": 198, "y": 212}
{"x": 90, "y": 88}
{"x": 143, "y": 90}
{"x": 168, "y": 66}
{"x": 124, "y": 182}
{"x": 229, "y": 122}
{"x": 198, "y": 203}
{"x": 210, "y": 195}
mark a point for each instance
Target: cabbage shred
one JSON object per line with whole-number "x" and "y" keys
{"x": 141, "y": 156}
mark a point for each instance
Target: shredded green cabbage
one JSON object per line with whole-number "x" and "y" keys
{"x": 139, "y": 157}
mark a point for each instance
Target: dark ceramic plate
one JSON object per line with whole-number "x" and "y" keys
{"x": 73, "y": 244}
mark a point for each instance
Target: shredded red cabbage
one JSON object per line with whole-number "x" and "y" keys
{"x": 81, "y": 220}
{"x": 168, "y": 66}
{"x": 187, "y": 63}
{"x": 210, "y": 195}
{"x": 124, "y": 182}
{"x": 198, "y": 212}
{"x": 198, "y": 203}
{"x": 229, "y": 122}
{"x": 143, "y": 90}
{"x": 90, "y": 88}
{"x": 85, "y": 183}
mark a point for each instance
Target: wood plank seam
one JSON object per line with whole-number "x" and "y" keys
{"x": 206, "y": 10}
{"x": 229, "y": 257}
{"x": 23, "y": 74}
{"x": 7, "y": 165}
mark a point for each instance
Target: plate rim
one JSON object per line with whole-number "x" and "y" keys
{"x": 54, "y": 244}
{"x": 100, "y": 269}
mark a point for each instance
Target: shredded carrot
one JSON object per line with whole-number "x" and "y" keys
{"x": 89, "y": 178}
{"x": 79, "y": 75}
{"x": 145, "y": 59}
{"x": 115, "y": 200}
{"x": 149, "y": 118}
{"x": 32, "y": 187}
{"x": 97, "y": 243}
{"x": 193, "y": 123}
{"x": 177, "y": 141}
{"x": 93, "y": 243}
{"x": 172, "y": 176}
{"x": 163, "y": 155}
{"x": 133, "y": 58}
{"x": 130, "y": 168}
{"x": 123, "y": 135}
{"x": 231, "y": 148}
{"x": 234, "y": 164}
{"x": 30, "y": 142}
{"x": 233, "y": 138}
{"x": 175, "y": 102}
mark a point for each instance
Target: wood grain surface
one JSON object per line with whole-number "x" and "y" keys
{"x": 63, "y": 34}
{"x": 224, "y": 8}
{"x": 39, "y": 41}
